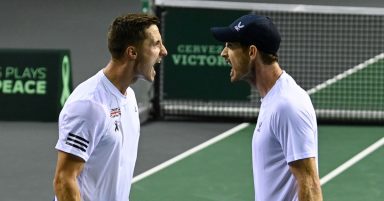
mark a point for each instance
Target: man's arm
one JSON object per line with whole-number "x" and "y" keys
{"x": 305, "y": 172}
{"x": 65, "y": 182}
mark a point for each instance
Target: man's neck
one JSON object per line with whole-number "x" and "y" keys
{"x": 266, "y": 77}
{"x": 120, "y": 74}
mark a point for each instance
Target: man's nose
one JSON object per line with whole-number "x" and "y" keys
{"x": 163, "y": 51}
{"x": 224, "y": 52}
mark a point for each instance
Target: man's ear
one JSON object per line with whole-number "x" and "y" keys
{"x": 131, "y": 52}
{"x": 252, "y": 51}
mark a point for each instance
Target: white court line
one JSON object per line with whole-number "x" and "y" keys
{"x": 323, "y": 180}
{"x": 368, "y": 150}
{"x": 352, "y": 161}
{"x": 346, "y": 74}
{"x": 189, "y": 152}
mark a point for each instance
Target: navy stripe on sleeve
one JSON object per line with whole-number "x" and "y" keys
{"x": 77, "y": 142}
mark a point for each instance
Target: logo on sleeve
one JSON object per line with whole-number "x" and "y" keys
{"x": 259, "y": 127}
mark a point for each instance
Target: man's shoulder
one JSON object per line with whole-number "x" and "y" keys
{"x": 291, "y": 104}
{"x": 90, "y": 89}
{"x": 85, "y": 99}
{"x": 292, "y": 95}
{"x": 84, "y": 109}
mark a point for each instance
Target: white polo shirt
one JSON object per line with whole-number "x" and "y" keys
{"x": 101, "y": 126}
{"x": 286, "y": 131}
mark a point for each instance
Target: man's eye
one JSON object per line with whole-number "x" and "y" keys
{"x": 158, "y": 44}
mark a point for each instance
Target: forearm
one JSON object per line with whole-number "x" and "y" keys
{"x": 67, "y": 190}
{"x": 310, "y": 190}
{"x": 307, "y": 178}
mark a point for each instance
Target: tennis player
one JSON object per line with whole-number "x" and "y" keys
{"x": 284, "y": 145}
{"x": 99, "y": 124}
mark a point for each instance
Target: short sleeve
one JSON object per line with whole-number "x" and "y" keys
{"x": 81, "y": 126}
{"x": 296, "y": 131}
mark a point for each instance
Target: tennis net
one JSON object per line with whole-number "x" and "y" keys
{"x": 335, "y": 53}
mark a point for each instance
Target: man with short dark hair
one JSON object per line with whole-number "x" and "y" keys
{"x": 99, "y": 124}
{"x": 284, "y": 145}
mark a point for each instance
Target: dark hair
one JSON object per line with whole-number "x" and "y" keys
{"x": 266, "y": 58}
{"x": 128, "y": 30}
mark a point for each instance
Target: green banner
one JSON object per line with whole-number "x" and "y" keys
{"x": 194, "y": 69}
{"x": 34, "y": 84}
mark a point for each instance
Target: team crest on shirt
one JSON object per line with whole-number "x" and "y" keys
{"x": 115, "y": 112}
